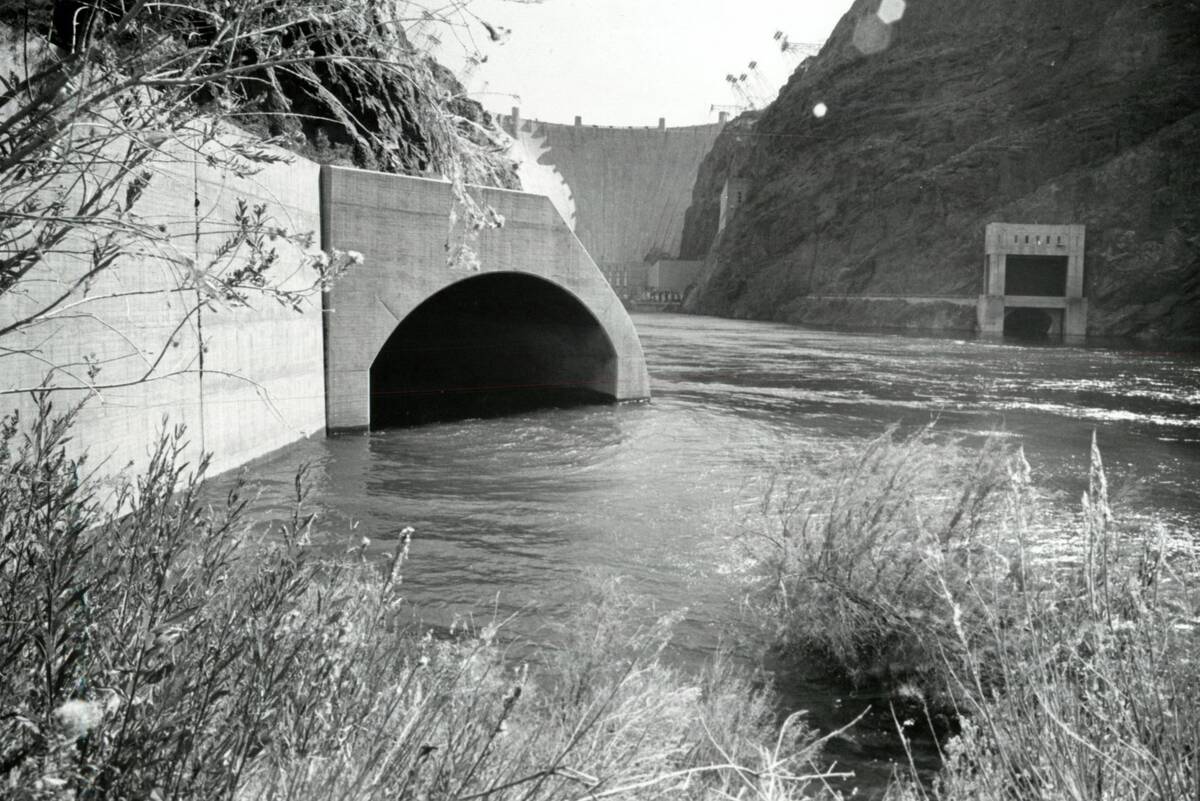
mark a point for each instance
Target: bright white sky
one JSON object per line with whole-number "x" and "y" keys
{"x": 629, "y": 62}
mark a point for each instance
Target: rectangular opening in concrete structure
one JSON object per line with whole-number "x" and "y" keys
{"x": 1044, "y": 276}
{"x": 1033, "y": 324}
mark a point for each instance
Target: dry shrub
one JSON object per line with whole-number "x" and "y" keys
{"x": 173, "y": 651}
{"x": 852, "y": 566}
{"x": 1087, "y": 685}
{"x": 1071, "y": 668}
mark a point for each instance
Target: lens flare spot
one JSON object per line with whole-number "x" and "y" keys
{"x": 820, "y": 110}
{"x": 872, "y": 35}
{"x": 890, "y": 11}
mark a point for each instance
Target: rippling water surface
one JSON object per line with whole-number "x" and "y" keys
{"x": 512, "y": 513}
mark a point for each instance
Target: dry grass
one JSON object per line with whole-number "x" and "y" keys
{"x": 1073, "y": 677}
{"x": 174, "y": 652}
{"x": 850, "y": 566}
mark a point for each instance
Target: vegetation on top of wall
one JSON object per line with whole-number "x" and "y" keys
{"x": 97, "y": 97}
{"x": 332, "y": 80}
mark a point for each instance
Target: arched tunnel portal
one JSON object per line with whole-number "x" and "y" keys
{"x": 1033, "y": 323}
{"x": 409, "y": 338}
{"x": 488, "y": 345}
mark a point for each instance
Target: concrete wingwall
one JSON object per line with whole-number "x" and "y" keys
{"x": 244, "y": 381}
{"x": 624, "y": 190}
{"x": 248, "y": 380}
{"x": 399, "y": 224}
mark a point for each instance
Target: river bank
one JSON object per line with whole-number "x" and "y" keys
{"x": 918, "y": 566}
{"x": 176, "y": 651}
{"x": 514, "y": 514}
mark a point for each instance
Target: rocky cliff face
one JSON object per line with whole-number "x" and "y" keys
{"x": 956, "y": 115}
{"x": 726, "y": 159}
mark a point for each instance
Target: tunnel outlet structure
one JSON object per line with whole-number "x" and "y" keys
{"x": 1033, "y": 282}
{"x": 489, "y": 345}
{"x": 409, "y": 338}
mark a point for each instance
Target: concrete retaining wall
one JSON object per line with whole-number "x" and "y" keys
{"x": 245, "y": 381}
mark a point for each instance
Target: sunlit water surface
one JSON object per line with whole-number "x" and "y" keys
{"x": 514, "y": 515}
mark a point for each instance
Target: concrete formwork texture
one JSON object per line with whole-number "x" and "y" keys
{"x": 399, "y": 224}
{"x": 240, "y": 379}
{"x": 247, "y": 379}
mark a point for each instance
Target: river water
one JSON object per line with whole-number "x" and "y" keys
{"x": 513, "y": 515}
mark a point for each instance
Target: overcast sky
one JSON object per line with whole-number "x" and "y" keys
{"x": 629, "y": 62}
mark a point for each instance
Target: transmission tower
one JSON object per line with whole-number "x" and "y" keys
{"x": 739, "y": 89}
{"x": 797, "y": 51}
{"x": 732, "y": 109}
{"x": 760, "y": 82}
{"x": 756, "y": 97}
{"x": 472, "y": 64}
{"x": 423, "y": 28}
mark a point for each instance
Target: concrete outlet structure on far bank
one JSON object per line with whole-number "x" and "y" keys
{"x": 1033, "y": 281}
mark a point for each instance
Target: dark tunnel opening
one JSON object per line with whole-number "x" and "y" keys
{"x": 1044, "y": 276}
{"x": 491, "y": 345}
{"x": 1028, "y": 324}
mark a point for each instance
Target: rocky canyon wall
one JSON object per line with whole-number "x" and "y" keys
{"x": 951, "y": 116}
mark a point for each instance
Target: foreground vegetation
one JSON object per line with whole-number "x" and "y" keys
{"x": 1064, "y": 663}
{"x": 174, "y": 652}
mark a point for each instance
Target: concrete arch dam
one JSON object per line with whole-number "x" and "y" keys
{"x": 408, "y": 339}
{"x": 624, "y": 191}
